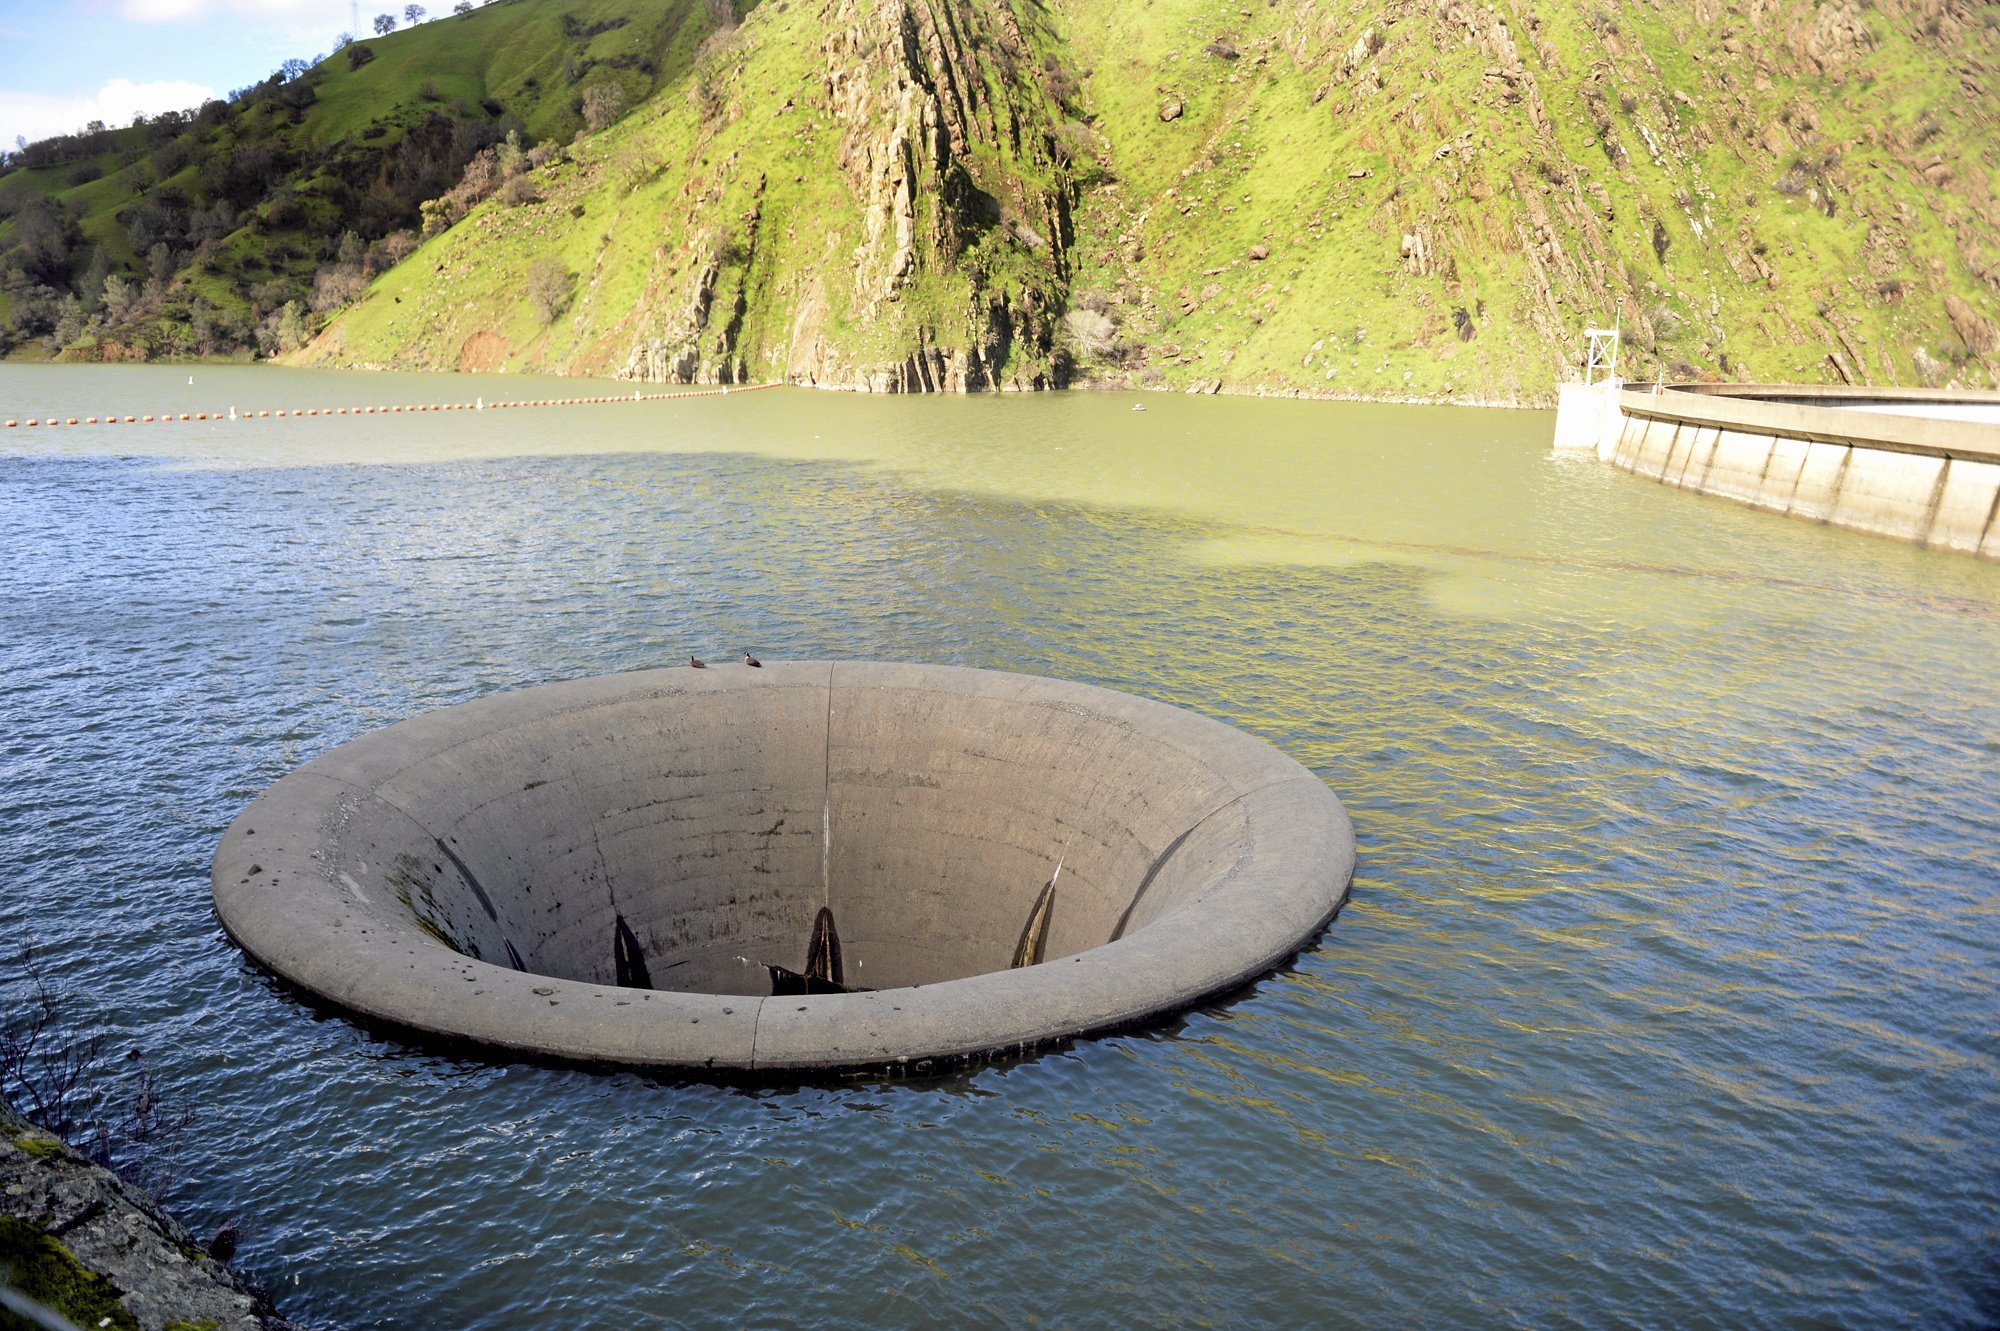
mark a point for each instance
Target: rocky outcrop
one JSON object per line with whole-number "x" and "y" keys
{"x": 1980, "y": 335}
{"x": 961, "y": 212}
{"x": 97, "y": 1250}
{"x": 1354, "y": 198}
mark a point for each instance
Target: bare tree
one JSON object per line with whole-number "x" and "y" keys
{"x": 602, "y": 103}
{"x": 384, "y": 24}
{"x": 549, "y": 286}
{"x": 57, "y": 1078}
{"x": 45, "y": 1064}
{"x": 413, "y": 14}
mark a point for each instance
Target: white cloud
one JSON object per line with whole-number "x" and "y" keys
{"x": 39, "y": 115}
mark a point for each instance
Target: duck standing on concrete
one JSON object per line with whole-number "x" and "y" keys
{"x": 697, "y": 663}
{"x": 750, "y": 660}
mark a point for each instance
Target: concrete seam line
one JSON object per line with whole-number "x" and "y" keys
{"x": 1992, "y": 518}
{"x": 580, "y": 709}
{"x": 1160, "y": 862}
{"x": 826, "y": 834}
{"x": 1938, "y": 488}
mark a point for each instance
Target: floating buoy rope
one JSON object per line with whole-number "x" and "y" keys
{"x": 478, "y": 404}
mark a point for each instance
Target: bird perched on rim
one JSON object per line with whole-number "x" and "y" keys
{"x": 750, "y": 660}
{"x": 697, "y": 663}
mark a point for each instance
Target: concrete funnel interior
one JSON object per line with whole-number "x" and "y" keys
{"x": 628, "y": 869}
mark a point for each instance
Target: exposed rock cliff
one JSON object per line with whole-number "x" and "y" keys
{"x": 954, "y": 259}
{"x": 1373, "y": 198}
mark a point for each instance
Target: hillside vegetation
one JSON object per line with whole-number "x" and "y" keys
{"x": 1403, "y": 199}
{"x": 194, "y": 232}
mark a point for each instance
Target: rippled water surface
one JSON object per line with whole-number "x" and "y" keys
{"x": 1669, "y": 993}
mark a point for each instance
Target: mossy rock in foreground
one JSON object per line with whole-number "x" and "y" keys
{"x": 40, "y": 1267}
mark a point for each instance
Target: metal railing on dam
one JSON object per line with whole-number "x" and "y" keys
{"x": 1917, "y": 465}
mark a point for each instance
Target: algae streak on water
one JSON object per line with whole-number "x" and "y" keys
{"x": 1344, "y": 198}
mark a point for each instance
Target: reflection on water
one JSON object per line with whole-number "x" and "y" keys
{"x": 1666, "y": 994}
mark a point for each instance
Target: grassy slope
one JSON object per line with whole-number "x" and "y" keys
{"x": 603, "y": 213}
{"x": 1337, "y": 307}
{"x": 510, "y": 51}
{"x": 513, "y": 51}
{"x": 743, "y": 160}
{"x": 1535, "y": 167}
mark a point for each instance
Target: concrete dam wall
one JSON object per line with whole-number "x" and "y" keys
{"x": 805, "y": 865}
{"x": 1916, "y": 466}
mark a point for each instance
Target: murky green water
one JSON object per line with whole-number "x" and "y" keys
{"x": 1667, "y": 993}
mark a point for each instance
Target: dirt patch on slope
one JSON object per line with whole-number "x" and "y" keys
{"x": 485, "y": 350}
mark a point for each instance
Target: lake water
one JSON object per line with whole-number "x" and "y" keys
{"x": 1669, "y": 993}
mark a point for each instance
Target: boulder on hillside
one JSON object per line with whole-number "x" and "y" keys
{"x": 1980, "y": 335}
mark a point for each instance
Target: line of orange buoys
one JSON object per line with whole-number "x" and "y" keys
{"x": 479, "y": 405}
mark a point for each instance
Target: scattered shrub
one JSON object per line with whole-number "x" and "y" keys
{"x": 549, "y": 286}
{"x": 601, "y": 104}
{"x": 1094, "y": 331}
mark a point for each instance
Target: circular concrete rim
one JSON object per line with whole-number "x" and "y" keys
{"x": 285, "y": 893}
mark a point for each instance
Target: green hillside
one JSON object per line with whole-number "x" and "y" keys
{"x": 299, "y": 189}
{"x": 1445, "y": 194}
{"x": 1336, "y": 197}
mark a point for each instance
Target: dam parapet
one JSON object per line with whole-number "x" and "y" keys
{"x": 1916, "y": 465}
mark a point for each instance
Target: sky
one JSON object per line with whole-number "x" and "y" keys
{"x": 66, "y": 63}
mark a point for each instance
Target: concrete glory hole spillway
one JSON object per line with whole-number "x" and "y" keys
{"x": 806, "y": 866}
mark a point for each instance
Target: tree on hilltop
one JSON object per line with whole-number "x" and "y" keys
{"x": 384, "y": 24}
{"x": 413, "y": 14}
